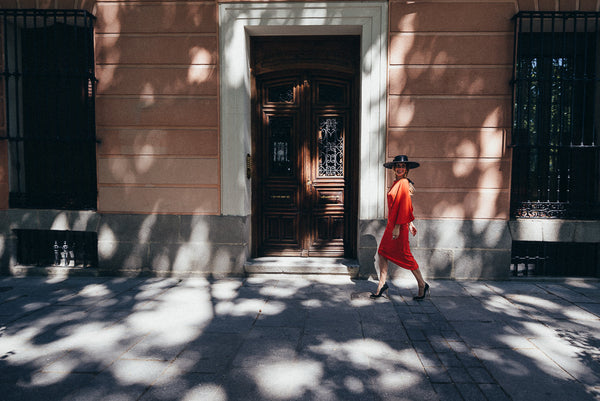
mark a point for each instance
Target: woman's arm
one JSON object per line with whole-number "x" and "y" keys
{"x": 412, "y": 228}
{"x": 396, "y": 230}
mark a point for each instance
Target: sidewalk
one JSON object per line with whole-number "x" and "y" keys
{"x": 296, "y": 338}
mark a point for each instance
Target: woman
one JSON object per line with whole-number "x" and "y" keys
{"x": 394, "y": 245}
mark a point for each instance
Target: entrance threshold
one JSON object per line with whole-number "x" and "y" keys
{"x": 301, "y": 266}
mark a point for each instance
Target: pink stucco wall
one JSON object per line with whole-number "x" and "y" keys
{"x": 157, "y": 113}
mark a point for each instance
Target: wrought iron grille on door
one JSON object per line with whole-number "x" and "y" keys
{"x": 556, "y": 116}
{"x": 49, "y": 82}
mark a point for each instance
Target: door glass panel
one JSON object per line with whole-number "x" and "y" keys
{"x": 331, "y": 94}
{"x": 331, "y": 147}
{"x": 281, "y": 94}
{"x": 280, "y": 146}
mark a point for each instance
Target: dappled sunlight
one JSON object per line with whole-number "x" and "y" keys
{"x": 42, "y": 379}
{"x": 498, "y": 304}
{"x": 202, "y": 338}
{"x": 108, "y": 50}
{"x": 128, "y": 372}
{"x": 189, "y": 254}
{"x": 111, "y": 19}
{"x": 225, "y": 290}
{"x": 508, "y": 366}
{"x": 487, "y": 205}
{"x": 449, "y": 209}
{"x": 147, "y": 97}
{"x": 533, "y": 329}
{"x": 490, "y": 236}
{"x": 441, "y": 57}
{"x": 464, "y": 167}
{"x": 198, "y": 74}
{"x": 244, "y": 307}
{"x": 466, "y": 148}
{"x": 204, "y": 391}
{"x": 407, "y": 22}
{"x": 200, "y": 55}
{"x": 531, "y": 303}
{"x": 288, "y": 379}
{"x": 188, "y": 310}
{"x": 143, "y": 164}
{"x": 283, "y": 291}
{"x": 236, "y": 72}
{"x": 122, "y": 171}
{"x": 61, "y": 222}
{"x": 159, "y": 322}
{"x": 200, "y": 231}
{"x": 490, "y": 177}
{"x": 491, "y": 141}
{"x": 578, "y": 283}
{"x": 106, "y": 77}
{"x": 397, "y": 381}
{"x": 145, "y": 231}
{"x": 397, "y": 370}
{"x": 312, "y": 303}
{"x": 221, "y": 260}
{"x": 355, "y": 352}
{"x": 405, "y": 111}
{"x": 493, "y": 119}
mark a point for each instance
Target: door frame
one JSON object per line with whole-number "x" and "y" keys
{"x": 239, "y": 21}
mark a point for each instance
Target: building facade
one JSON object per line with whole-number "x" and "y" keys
{"x": 222, "y": 138}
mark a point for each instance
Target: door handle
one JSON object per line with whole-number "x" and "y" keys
{"x": 249, "y": 165}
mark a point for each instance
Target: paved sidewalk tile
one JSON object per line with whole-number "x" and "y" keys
{"x": 297, "y": 338}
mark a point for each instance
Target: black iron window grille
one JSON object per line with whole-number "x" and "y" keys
{"x": 49, "y": 87}
{"x": 556, "y": 115}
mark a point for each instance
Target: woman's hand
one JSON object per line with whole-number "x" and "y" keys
{"x": 396, "y": 231}
{"x": 412, "y": 228}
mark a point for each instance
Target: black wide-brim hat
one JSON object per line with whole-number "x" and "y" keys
{"x": 401, "y": 159}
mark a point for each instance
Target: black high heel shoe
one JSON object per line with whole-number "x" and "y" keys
{"x": 381, "y": 291}
{"x": 422, "y": 297}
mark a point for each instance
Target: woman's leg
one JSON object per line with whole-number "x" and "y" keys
{"x": 383, "y": 269}
{"x": 420, "y": 281}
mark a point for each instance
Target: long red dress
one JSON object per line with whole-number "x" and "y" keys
{"x": 400, "y": 211}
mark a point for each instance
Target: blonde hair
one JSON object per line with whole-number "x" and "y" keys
{"x": 411, "y": 187}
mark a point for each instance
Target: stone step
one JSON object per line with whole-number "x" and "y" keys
{"x": 301, "y": 266}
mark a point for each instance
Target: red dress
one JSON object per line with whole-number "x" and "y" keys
{"x": 400, "y": 211}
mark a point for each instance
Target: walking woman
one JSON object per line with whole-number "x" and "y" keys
{"x": 394, "y": 245}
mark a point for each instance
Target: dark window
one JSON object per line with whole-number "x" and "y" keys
{"x": 554, "y": 259}
{"x": 48, "y": 70}
{"x": 556, "y": 116}
{"x": 58, "y": 248}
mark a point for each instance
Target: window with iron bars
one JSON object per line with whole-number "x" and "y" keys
{"x": 49, "y": 87}
{"x": 556, "y": 116}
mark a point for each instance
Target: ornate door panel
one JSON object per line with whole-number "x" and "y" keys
{"x": 304, "y": 141}
{"x": 302, "y": 156}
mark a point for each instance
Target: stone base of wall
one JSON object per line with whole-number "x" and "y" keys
{"x": 167, "y": 245}
{"x": 449, "y": 249}
{"x": 138, "y": 244}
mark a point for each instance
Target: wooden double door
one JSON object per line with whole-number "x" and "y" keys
{"x": 304, "y": 192}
